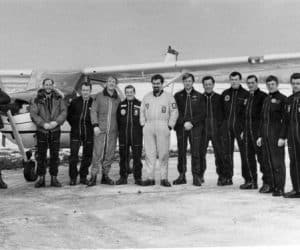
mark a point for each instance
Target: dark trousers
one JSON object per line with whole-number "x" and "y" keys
{"x": 231, "y": 135}
{"x": 124, "y": 151}
{"x": 87, "y": 154}
{"x": 274, "y": 159}
{"x": 254, "y": 152}
{"x": 194, "y": 137}
{"x": 294, "y": 149}
{"x": 47, "y": 140}
{"x": 222, "y": 164}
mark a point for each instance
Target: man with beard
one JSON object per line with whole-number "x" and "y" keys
{"x": 158, "y": 116}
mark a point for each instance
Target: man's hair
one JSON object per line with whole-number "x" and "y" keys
{"x": 234, "y": 74}
{"x": 272, "y": 78}
{"x": 48, "y": 79}
{"x": 252, "y": 76}
{"x": 129, "y": 87}
{"x": 295, "y": 76}
{"x": 87, "y": 84}
{"x": 188, "y": 75}
{"x": 157, "y": 77}
{"x": 206, "y": 78}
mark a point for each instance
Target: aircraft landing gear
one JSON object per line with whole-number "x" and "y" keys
{"x": 29, "y": 168}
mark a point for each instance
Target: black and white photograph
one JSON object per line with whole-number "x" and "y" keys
{"x": 149, "y": 124}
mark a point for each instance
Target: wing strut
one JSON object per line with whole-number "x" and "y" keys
{"x": 16, "y": 134}
{"x": 173, "y": 80}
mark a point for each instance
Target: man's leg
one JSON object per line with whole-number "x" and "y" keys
{"x": 228, "y": 141}
{"x": 195, "y": 141}
{"x": 109, "y": 152}
{"x": 137, "y": 162}
{"x": 87, "y": 154}
{"x": 124, "y": 163}
{"x": 42, "y": 147}
{"x": 181, "y": 165}
{"x": 203, "y": 151}
{"x": 151, "y": 152}
{"x": 54, "y": 145}
{"x": 245, "y": 170}
{"x": 73, "y": 159}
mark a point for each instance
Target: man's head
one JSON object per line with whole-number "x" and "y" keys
{"x": 295, "y": 82}
{"x": 272, "y": 83}
{"x": 111, "y": 83}
{"x": 252, "y": 83}
{"x": 86, "y": 89}
{"x": 130, "y": 92}
{"x": 188, "y": 80}
{"x": 208, "y": 84}
{"x": 235, "y": 79}
{"x": 48, "y": 85}
{"x": 157, "y": 83}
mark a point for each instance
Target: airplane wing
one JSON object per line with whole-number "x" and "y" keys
{"x": 217, "y": 66}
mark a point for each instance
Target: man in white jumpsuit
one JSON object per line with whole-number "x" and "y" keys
{"x": 158, "y": 116}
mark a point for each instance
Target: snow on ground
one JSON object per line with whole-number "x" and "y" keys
{"x": 130, "y": 216}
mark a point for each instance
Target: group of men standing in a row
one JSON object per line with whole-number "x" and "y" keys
{"x": 259, "y": 122}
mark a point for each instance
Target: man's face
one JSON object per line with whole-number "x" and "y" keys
{"x": 157, "y": 85}
{"x": 252, "y": 84}
{"x": 235, "y": 82}
{"x": 130, "y": 94}
{"x": 208, "y": 86}
{"x": 85, "y": 91}
{"x": 295, "y": 85}
{"x": 48, "y": 86}
{"x": 272, "y": 86}
{"x": 188, "y": 83}
{"x": 111, "y": 83}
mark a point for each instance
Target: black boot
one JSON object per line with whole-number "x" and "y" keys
{"x": 148, "y": 182}
{"x": 92, "y": 181}
{"x": 265, "y": 189}
{"x": 40, "y": 182}
{"x": 180, "y": 180}
{"x": 246, "y": 185}
{"x": 55, "y": 182}
{"x": 277, "y": 192}
{"x": 221, "y": 181}
{"x": 197, "y": 180}
{"x": 138, "y": 182}
{"x": 3, "y": 185}
{"x": 83, "y": 180}
{"x": 73, "y": 181}
{"x": 121, "y": 181}
{"x": 227, "y": 182}
{"x": 165, "y": 183}
{"x": 292, "y": 194}
{"x": 106, "y": 180}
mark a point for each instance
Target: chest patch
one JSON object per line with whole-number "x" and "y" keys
{"x": 289, "y": 108}
{"x": 227, "y": 98}
{"x": 245, "y": 102}
{"x": 174, "y": 106}
{"x": 274, "y": 100}
{"x": 136, "y": 112}
{"x": 123, "y": 111}
{"x": 163, "y": 109}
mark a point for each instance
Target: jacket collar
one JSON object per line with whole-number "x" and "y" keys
{"x": 115, "y": 94}
{"x": 41, "y": 95}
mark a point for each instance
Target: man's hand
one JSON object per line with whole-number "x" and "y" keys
{"x": 188, "y": 125}
{"x": 47, "y": 126}
{"x": 96, "y": 131}
{"x": 53, "y": 124}
{"x": 281, "y": 142}
{"x": 258, "y": 142}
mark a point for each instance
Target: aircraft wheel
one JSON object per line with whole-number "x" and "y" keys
{"x": 29, "y": 171}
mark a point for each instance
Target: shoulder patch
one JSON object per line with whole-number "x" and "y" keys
{"x": 174, "y": 106}
{"x": 227, "y": 98}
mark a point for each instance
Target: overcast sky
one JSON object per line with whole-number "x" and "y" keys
{"x": 64, "y": 34}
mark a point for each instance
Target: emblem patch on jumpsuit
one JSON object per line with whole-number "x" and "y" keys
{"x": 289, "y": 108}
{"x": 273, "y": 100}
{"x": 136, "y": 112}
{"x": 173, "y": 105}
{"x": 163, "y": 109}
{"x": 227, "y": 98}
{"x": 147, "y": 105}
{"x": 123, "y": 111}
{"x": 245, "y": 102}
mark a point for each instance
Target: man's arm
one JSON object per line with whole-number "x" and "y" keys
{"x": 63, "y": 112}
{"x": 142, "y": 113}
{"x": 34, "y": 114}
{"x": 173, "y": 112}
{"x": 94, "y": 112}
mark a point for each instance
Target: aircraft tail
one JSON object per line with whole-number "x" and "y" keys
{"x": 171, "y": 55}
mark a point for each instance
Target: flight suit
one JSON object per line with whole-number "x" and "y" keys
{"x": 130, "y": 135}
{"x": 191, "y": 108}
{"x": 272, "y": 127}
{"x": 250, "y": 136}
{"x": 234, "y": 101}
{"x": 158, "y": 116}
{"x": 292, "y": 133}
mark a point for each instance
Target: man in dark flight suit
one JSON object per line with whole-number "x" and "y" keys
{"x": 272, "y": 121}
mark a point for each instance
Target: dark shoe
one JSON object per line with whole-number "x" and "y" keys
{"x": 92, "y": 181}
{"x": 73, "y": 182}
{"x": 83, "y": 180}
{"x": 254, "y": 185}
{"x": 138, "y": 182}
{"x": 221, "y": 181}
{"x": 180, "y": 180}
{"x": 197, "y": 181}
{"x": 165, "y": 183}
{"x": 106, "y": 180}
{"x": 277, "y": 192}
{"x": 265, "y": 189}
{"x": 148, "y": 182}
{"x": 3, "y": 185}
{"x": 202, "y": 180}
{"x": 292, "y": 194}
{"x": 246, "y": 185}
{"x": 121, "y": 181}
{"x": 227, "y": 182}
{"x": 40, "y": 182}
{"x": 55, "y": 182}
